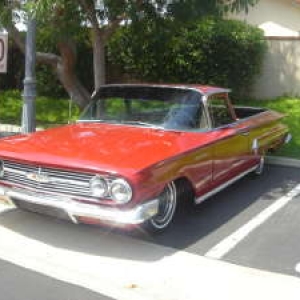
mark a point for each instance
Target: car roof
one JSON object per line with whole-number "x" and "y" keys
{"x": 205, "y": 90}
{"x": 209, "y": 90}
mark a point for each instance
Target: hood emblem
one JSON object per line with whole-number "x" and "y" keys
{"x": 38, "y": 177}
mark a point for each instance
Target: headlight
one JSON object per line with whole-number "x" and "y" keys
{"x": 1, "y": 169}
{"x": 121, "y": 191}
{"x": 98, "y": 187}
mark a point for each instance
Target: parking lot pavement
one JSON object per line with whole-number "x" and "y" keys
{"x": 172, "y": 265}
{"x": 126, "y": 268}
{"x": 222, "y": 220}
{"x": 275, "y": 246}
{"x": 19, "y": 283}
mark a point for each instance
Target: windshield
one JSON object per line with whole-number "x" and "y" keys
{"x": 160, "y": 107}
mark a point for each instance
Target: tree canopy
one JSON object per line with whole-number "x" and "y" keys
{"x": 61, "y": 20}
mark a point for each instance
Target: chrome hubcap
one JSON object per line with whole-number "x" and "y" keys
{"x": 167, "y": 206}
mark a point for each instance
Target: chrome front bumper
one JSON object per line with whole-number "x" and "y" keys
{"x": 75, "y": 209}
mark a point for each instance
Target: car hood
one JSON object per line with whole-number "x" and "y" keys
{"x": 100, "y": 147}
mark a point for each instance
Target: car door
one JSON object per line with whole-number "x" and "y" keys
{"x": 230, "y": 151}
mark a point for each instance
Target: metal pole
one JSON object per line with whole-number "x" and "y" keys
{"x": 29, "y": 94}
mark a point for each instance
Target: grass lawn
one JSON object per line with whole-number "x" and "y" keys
{"x": 48, "y": 111}
{"x": 56, "y": 111}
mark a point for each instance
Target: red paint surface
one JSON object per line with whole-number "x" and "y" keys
{"x": 102, "y": 147}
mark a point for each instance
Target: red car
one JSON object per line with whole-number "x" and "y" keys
{"x": 135, "y": 152}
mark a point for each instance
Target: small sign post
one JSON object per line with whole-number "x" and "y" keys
{"x": 3, "y": 52}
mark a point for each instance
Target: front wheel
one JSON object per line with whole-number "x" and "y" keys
{"x": 166, "y": 210}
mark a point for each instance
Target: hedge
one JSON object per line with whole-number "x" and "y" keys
{"x": 212, "y": 51}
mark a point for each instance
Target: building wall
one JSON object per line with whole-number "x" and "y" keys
{"x": 281, "y": 70}
{"x": 275, "y": 17}
{"x": 280, "y": 20}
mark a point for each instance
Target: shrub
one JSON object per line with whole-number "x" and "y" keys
{"x": 144, "y": 50}
{"x": 48, "y": 110}
{"x": 212, "y": 51}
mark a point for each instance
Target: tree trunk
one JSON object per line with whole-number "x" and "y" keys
{"x": 65, "y": 69}
{"x": 99, "y": 58}
{"x": 72, "y": 85}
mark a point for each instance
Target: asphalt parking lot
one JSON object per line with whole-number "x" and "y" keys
{"x": 272, "y": 246}
{"x": 62, "y": 251}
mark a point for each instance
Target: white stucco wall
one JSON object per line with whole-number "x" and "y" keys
{"x": 281, "y": 71}
{"x": 275, "y": 17}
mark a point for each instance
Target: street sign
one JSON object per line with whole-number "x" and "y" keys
{"x": 3, "y": 52}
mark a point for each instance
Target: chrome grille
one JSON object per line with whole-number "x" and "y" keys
{"x": 47, "y": 179}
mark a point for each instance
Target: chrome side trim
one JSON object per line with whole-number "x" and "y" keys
{"x": 224, "y": 185}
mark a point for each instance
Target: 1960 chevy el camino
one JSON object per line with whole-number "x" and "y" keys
{"x": 135, "y": 152}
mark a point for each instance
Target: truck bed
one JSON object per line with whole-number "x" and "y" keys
{"x": 243, "y": 112}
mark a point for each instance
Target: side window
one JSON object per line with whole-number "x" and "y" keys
{"x": 219, "y": 111}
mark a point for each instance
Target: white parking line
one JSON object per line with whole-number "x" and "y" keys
{"x": 227, "y": 244}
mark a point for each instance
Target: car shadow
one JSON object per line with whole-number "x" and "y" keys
{"x": 189, "y": 228}
{"x": 209, "y": 217}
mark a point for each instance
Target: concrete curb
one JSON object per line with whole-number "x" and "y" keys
{"x": 10, "y": 128}
{"x": 283, "y": 161}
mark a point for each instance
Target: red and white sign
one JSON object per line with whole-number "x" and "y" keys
{"x": 3, "y": 52}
